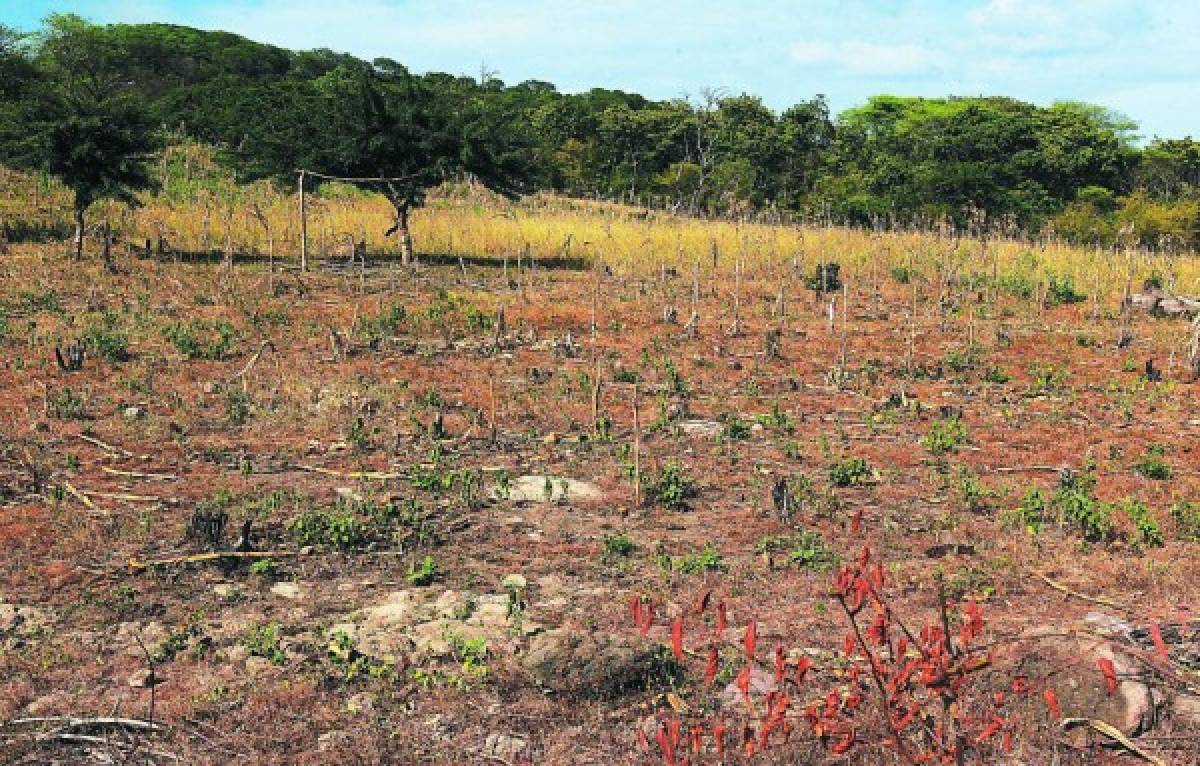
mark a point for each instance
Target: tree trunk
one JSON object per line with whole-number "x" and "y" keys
{"x": 79, "y": 210}
{"x": 406, "y": 243}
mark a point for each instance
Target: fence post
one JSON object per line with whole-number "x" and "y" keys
{"x": 303, "y": 227}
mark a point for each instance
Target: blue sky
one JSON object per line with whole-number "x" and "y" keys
{"x": 1139, "y": 57}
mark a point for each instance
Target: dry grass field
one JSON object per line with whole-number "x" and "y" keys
{"x": 588, "y": 485}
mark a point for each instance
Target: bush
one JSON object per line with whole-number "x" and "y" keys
{"x": 106, "y": 339}
{"x": 945, "y": 435}
{"x": 1152, "y": 465}
{"x": 1076, "y": 501}
{"x": 1146, "y": 533}
{"x": 849, "y": 472}
{"x": 672, "y": 488}
{"x": 1061, "y": 290}
{"x": 335, "y": 527}
{"x": 200, "y": 339}
{"x": 263, "y": 641}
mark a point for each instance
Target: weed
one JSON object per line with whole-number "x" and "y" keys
{"x": 945, "y": 435}
{"x": 614, "y": 546}
{"x": 263, "y": 641}
{"x": 849, "y": 472}
{"x": 267, "y": 569}
{"x": 1187, "y": 520}
{"x": 65, "y": 404}
{"x": 424, "y": 573}
{"x": 707, "y": 560}
{"x": 200, "y": 339}
{"x": 1146, "y": 533}
{"x": 105, "y": 338}
{"x": 672, "y": 488}
{"x": 237, "y": 407}
{"x": 1152, "y": 465}
{"x": 804, "y": 550}
{"x": 334, "y": 527}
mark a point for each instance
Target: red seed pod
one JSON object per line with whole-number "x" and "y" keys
{"x": 743, "y": 682}
{"x": 803, "y": 665}
{"x": 991, "y": 729}
{"x": 780, "y": 666}
{"x": 719, "y": 736}
{"x": 710, "y": 668}
{"x": 677, "y": 637}
{"x": 1020, "y": 685}
{"x": 721, "y": 619}
{"x": 843, "y": 745}
{"x": 702, "y": 602}
{"x": 750, "y": 639}
{"x": 697, "y": 738}
{"x": 856, "y": 523}
{"x": 635, "y": 609}
{"x": 1052, "y": 703}
{"x": 1110, "y": 674}
{"x": 1159, "y": 644}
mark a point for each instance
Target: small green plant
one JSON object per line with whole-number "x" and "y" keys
{"x": 849, "y": 472}
{"x": 105, "y": 338}
{"x": 735, "y": 428}
{"x": 1146, "y": 533}
{"x": 263, "y": 641}
{"x": 707, "y": 560}
{"x": 1033, "y": 511}
{"x": 1152, "y": 465}
{"x": 237, "y": 407}
{"x": 805, "y": 550}
{"x": 1061, "y": 290}
{"x": 424, "y": 573}
{"x": 619, "y": 545}
{"x": 65, "y": 404}
{"x": 945, "y": 435}
{"x": 672, "y": 488}
{"x": 267, "y": 569}
{"x": 1076, "y": 501}
{"x": 1187, "y": 520}
{"x": 335, "y": 527}
{"x": 200, "y": 339}
{"x": 976, "y": 496}
{"x": 996, "y": 375}
{"x": 1047, "y": 379}
{"x": 375, "y": 329}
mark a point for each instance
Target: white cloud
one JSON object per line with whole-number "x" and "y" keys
{"x": 1005, "y": 13}
{"x": 864, "y": 59}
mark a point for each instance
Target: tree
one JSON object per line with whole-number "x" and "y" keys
{"x": 397, "y": 135}
{"x": 82, "y": 123}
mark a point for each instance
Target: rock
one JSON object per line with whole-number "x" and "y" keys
{"x": 227, "y": 591}
{"x": 290, "y": 590}
{"x": 210, "y": 388}
{"x": 144, "y": 678}
{"x": 332, "y": 740}
{"x": 590, "y": 662}
{"x": 363, "y": 702}
{"x": 257, "y": 666}
{"x": 551, "y": 439}
{"x": 706, "y": 429}
{"x": 22, "y": 621}
{"x": 348, "y": 493}
{"x": 540, "y": 488}
{"x": 514, "y": 582}
{"x": 757, "y": 428}
{"x": 505, "y": 747}
{"x": 133, "y": 413}
{"x": 762, "y": 683}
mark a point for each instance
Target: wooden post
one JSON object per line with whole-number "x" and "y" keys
{"x": 637, "y": 451}
{"x": 303, "y": 227}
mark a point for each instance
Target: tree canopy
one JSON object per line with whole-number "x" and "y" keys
{"x": 101, "y": 89}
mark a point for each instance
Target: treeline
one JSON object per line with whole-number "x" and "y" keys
{"x": 973, "y": 162}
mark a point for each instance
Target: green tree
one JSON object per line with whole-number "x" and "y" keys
{"x": 82, "y": 119}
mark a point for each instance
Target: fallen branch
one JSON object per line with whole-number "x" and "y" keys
{"x": 266, "y": 344}
{"x": 69, "y": 722}
{"x": 1113, "y": 733}
{"x": 376, "y": 475}
{"x": 197, "y": 558}
{"x": 1091, "y": 599}
{"x": 118, "y": 451}
{"x": 140, "y": 475}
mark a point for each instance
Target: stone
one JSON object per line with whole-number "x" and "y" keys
{"x": 144, "y": 678}
{"x": 505, "y": 747}
{"x": 363, "y": 702}
{"x": 514, "y": 582}
{"x": 22, "y": 621}
{"x": 533, "y": 489}
{"x": 227, "y": 591}
{"x": 590, "y": 662}
{"x": 133, "y": 413}
{"x": 705, "y": 429}
{"x": 290, "y": 590}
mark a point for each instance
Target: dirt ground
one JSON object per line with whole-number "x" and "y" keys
{"x": 445, "y": 531}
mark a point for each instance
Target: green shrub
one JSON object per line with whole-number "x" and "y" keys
{"x": 849, "y": 472}
{"x": 618, "y": 545}
{"x": 1187, "y": 520}
{"x": 105, "y": 338}
{"x": 1146, "y": 533}
{"x": 263, "y": 641}
{"x": 672, "y": 488}
{"x": 1061, "y": 290}
{"x": 1152, "y": 465}
{"x": 945, "y": 435}
{"x": 65, "y": 404}
{"x": 335, "y": 527}
{"x": 237, "y": 407}
{"x": 707, "y": 560}
{"x": 805, "y": 550}
{"x": 424, "y": 573}
{"x": 200, "y": 339}
{"x": 1076, "y": 501}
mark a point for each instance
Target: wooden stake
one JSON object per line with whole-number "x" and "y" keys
{"x": 637, "y": 452}
{"x": 303, "y": 227}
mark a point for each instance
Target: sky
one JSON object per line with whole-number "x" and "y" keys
{"x": 1139, "y": 57}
